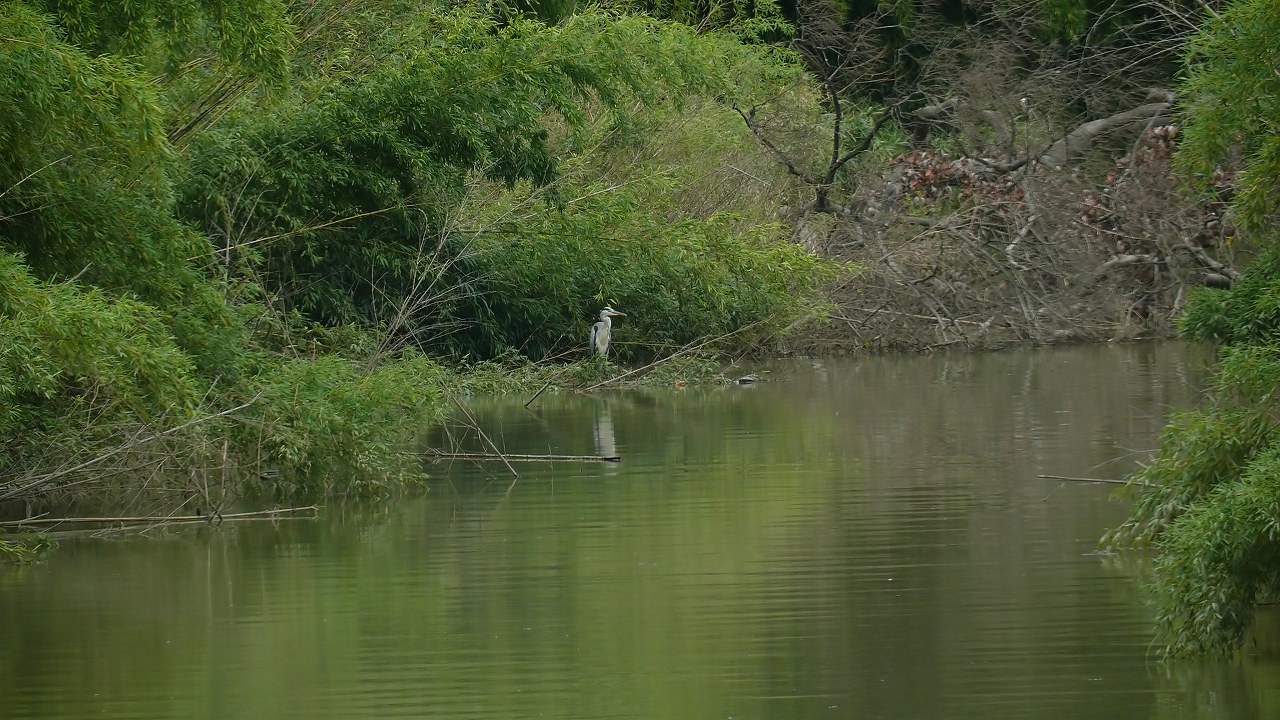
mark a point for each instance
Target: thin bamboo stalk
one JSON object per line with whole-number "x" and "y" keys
{"x": 219, "y": 517}
{"x": 1084, "y": 479}
{"x": 522, "y": 458}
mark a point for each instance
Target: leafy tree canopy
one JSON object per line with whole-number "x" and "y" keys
{"x": 84, "y": 180}
{"x": 1233, "y": 106}
{"x": 253, "y": 34}
{"x": 341, "y": 201}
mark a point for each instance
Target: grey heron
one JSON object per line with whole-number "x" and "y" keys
{"x": 601, "y": 329}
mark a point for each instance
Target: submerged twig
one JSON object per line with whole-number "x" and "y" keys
{"x": 485, "y": 437}
{"x": 1084, "y": 479}
{"x": 545, "y": 385}
{"x": 521, "y": 458}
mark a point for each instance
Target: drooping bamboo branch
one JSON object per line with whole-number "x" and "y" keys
{"x": 131, "y": 445}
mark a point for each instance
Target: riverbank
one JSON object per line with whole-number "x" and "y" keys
{"x": 852, "y": 516}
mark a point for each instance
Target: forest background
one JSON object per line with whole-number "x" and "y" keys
{"x": 250, "y": 248}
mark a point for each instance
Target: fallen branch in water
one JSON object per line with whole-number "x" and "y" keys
{"x": 535, "y": 395}
{"x": 1084, "y": 479}
{"x": 559, "y": 373}
{"x": 497, "y": 453}
{"x": 215, "y": 517}
{"x": 522, "y": 458}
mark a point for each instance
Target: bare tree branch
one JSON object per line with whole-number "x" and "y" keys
{"x": 749, "y": 119}
{"x": 862, "y": 146}
{"x": 1077, "y": 142}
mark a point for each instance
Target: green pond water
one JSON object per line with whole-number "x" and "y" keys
{"x": 849, "y": 539}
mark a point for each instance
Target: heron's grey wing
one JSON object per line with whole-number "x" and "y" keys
{"x": 595, "y": 331}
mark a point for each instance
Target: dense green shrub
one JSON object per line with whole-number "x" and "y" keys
{"x": 65, "y": 350}
{"x": 677, "y": 282}
{"x": 253, "y": 34}
{"x": 81, "y": 373}
{"x": 1233, "y": 98}
{"x": 327, "y": 425}
{"x": 84, "y": 184}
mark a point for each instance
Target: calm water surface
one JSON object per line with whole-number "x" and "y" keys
{"x": 851, "y": 539}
